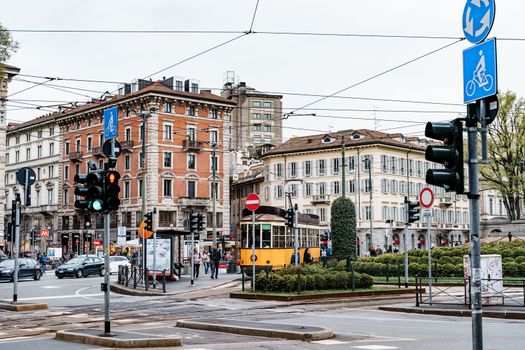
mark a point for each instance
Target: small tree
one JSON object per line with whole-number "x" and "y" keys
{"x": 343, "y": 226}
{"x": 7, "y": 46}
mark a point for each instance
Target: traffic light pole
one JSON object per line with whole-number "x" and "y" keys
{"x": 143, "y": 188}
{"x": 215, "y": 163}
{"x": 16, "y": 221}
{"x": 296, "y": 235}
{"x": 107, "y": 322}
{"x": 192, "y": 231}
{"x": 475, "y": 258}
{"x": 154, "y": 222}
{"x": 253, "y": 251}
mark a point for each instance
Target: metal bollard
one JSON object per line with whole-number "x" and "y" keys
{"x": 164, "y": 281}
{"x": 353, "y": 278}
{"x": 417, "y": 293}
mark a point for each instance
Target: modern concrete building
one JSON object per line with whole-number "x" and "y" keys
{"x": 256, "y": 118}
{"x": 9, "y": 73}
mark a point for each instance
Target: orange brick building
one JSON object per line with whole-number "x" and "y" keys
{"x": 182, "y": 125}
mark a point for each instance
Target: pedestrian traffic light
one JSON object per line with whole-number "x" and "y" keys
{"x": 111, "y": 190}
{"x": 148, "y": 219}
{"x": 92, "y": 191}
{"x": 412, "y": 211}
{"x": 450, "y": 155}
{"x": 200, "y": 222}
{"x": 289, "y": 217}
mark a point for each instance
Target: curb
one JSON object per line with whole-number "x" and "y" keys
{"x": 117, "y": 343}
{"x": 512, "y": 315}
{"x": 22, "y": 307}
{"x": 117, "y": 288}
{"x": 299, "y": 297}
{"x": 319, "y": 334}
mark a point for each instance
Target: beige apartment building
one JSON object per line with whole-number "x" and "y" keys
{"x": 380, "y": 170}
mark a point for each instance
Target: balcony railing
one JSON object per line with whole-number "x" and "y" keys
{"x": 194, "y": 202}
{"x": 75, "y": 156}
{"x": 320, "y": 199}
{"x": 127, "y": 145}
{"x": 192, "y": 145}
{"x": 97, "y": 152}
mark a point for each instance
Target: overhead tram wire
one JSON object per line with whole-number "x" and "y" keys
{"x": 254, "y": 14}
{"x": 380, "y": 74}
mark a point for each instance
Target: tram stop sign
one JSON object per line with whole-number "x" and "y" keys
{"x": 252, "y": 202}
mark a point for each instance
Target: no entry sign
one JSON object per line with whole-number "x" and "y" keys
{"x": 426, "y": 197}
{"x": 252, "y": 202}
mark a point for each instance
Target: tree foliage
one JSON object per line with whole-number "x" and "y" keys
{"x": 7, "y": 47}
{"x": 506, "y": 151}
{"x": 343, "y": 226}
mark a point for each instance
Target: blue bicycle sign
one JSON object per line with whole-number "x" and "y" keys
{"x": 479, "y": 71}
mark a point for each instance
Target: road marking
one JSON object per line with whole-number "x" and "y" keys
{"x": 56, "y": 297}
{"x": 51, "y": 287}
{"x": 329, "y": 342}
{"x": 375, "y": 347}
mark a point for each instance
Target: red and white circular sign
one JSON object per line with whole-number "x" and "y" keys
{"x": 252, "y": 202}
{"x": 97, "y": 243}
{"x": 426, "y": 197}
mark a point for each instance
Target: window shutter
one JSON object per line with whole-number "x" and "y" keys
{"x": 304, "y": 168}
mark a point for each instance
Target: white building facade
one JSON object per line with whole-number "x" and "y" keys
{"x": 380, "y": 170}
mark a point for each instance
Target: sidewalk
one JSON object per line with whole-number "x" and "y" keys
{"x": 180, "y": 286}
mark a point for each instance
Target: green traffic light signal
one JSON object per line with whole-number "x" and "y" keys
{"x": 148, "y": 219}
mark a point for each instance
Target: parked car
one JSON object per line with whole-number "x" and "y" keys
{"x": 82, "y": 266}
{"x": 28, "y": 268}
{"x": 116, "y": 261}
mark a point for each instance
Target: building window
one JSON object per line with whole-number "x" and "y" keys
{"x": 127, "y": 189}
{"x": 402, "y": 166}
{"x": 268, "y": 128}
{"x": 28, "y": 153}
{"x": 308, "y": 168}
{"x": 167, "y": 132}
{"x": 140, "y": 188}
{"x": 393, "y": 165}
{"x": 322, "y": 214}
{"x": 214, "y": 163}
{"x": 322, "y": 188}
{"x": 89, "y": 143}
{"x": 191, "y": 110}
{"x": 127, "y": 132}
{"x": 78, "y": 145}
{"x": 51, "y": 131}
{"x": 167, "y": 188}
{"x": 51, "y": 171}
{"x": 38, "y": 198}
{"x": 367, "y": 213}
{"x": 336, "y": 187}
{"x": 17, "y": 156}
{"x": 51, "y": 148}
{"x": 194, "y": 88}
{"x": 351, "y": 186}
{"x": 7, "y": 158}
{"x": 279, "y": 193}
{"x": 335, "y": 166}
{"x": 167, "y": 159}
{"x": 141, "y": 132}
{"x": 256, "y": 116}
{"x": 77, "y": 168}
{"x": 393, "y": 186}
{"x": 368, "y": 163}
{"x": 214, "y": 190}
{"x": 257, "y": 127}
{"x": 384, "y": 185}
{"x": 368, "y": 185}
{"x": 37, "y": 174}
{"x": 100, "y": 140}
{"x": 66, "y": 148}
{"x": 66, "y": 196}
{"x": 66, "y": 172}
{"x": 167, "y": 107}
{"x": 39, "y": 151}
{"x": 214, "y": 114}
{"x": 293, "y": 190}
{"x": 321, "y": 167}
{"x": 179, "y": 85}
{"x": 191, "y": 161}
{"x": 39, "y": 134}
{"x": 292, "y": 169}
{"x": 278, "y": 171}
{"x": 49, "y": 196}
{"x": 267, "y": 193}
{"x": 28, "y": 137}
{"x": 308, "y": 189}
{"x": 214, "y": 137}
{"x": 17, "y": 140}
{"x": 268, "y": 116}
{"x": 256, "y": 103}
{"x": 191, "y": 189}
{"x": 127, "y": 162}
{"x": 192, "y": 133}
{"x": 384, "y": 163}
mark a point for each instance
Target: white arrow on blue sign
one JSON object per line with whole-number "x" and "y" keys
{"x": 110, "y": 123}
{"x": 480, "y": 71}
{"x": 478, "y": 17}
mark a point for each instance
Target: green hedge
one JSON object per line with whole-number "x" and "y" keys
{"x": 312, "y": 277}
{"x": 446, "y": 261}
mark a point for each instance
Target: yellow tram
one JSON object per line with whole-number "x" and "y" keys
{"x": 274, "y": 241}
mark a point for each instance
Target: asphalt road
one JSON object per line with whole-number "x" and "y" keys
{"x": 78, "y": 303}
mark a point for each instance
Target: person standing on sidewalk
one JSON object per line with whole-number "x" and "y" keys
{"x": 196, "y": 262}
{"x": 215, "y": 257}
{"x": 206, "y": 261}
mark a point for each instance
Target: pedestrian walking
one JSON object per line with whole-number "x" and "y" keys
{"x": 206, "y": 261}
{"x": 44, "y": 262}
{"x": 196, "y": 262}
{"x": 215, "y": 257}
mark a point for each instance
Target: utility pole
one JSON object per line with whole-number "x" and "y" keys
{"x": 405, "y": 241}
{"x": 16, "y": 231}
{"x": 215, "y": 163}
{"x": 343, "y": 191}
{"x": 143, "y": 186}
{"x": 369, "y": 163}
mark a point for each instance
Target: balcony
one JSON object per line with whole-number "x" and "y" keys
{"x": 320, "y": 199}
{"x": 75, "y": 156}
{"x": 194, "y": 202}
{"x": 97, "y": 152}
{"x": 192, "y": 145}
{"x": 127, "y": 145}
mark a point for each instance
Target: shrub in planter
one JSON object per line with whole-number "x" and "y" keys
{"x": 520, "y": 259}
{"x": 510, "y": 269}
{"x": 309, "y": 283}
{"x": 365, "y": 281}
{"x": 320, "y": 282}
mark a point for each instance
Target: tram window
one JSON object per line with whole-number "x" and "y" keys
{"x": 266, "y": 235}
{"x": 303, "y": 239}
{"x": 278, "y": 237}
{"x": 244, "y": 239}
{"x": 257, "y": 236}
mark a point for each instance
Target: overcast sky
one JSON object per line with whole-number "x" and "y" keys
{"x": 319, "y": 65}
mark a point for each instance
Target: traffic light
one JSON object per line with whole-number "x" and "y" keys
{"x": 450, "y": 155}
{"x": 200, "y": 222}
{"x": 111, "y": 190}
{"x": 148, "y": 218}
{"x": 8, "y": 235}
{"x": 412, "y": 211}
{"x": 289, "y": 217}
{"x": 92, "y": 192}
{"x": 194, "y": 221}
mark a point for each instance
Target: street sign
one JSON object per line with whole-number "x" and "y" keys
{"x": 478, "y": 18}
{"x": 21, "y": 176}
{"x": 252, "y": 202}
{"x": 480, "y": 71}
{"x": 426, "y": 197}
{"x": 97, "y": 243}
{"x": 44, "y": 233}
{"x": 110, "y": 123}
{"x": 121, "y": 236}
{"x": 426, "y": 212}
{"x": 106, "y": 148}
